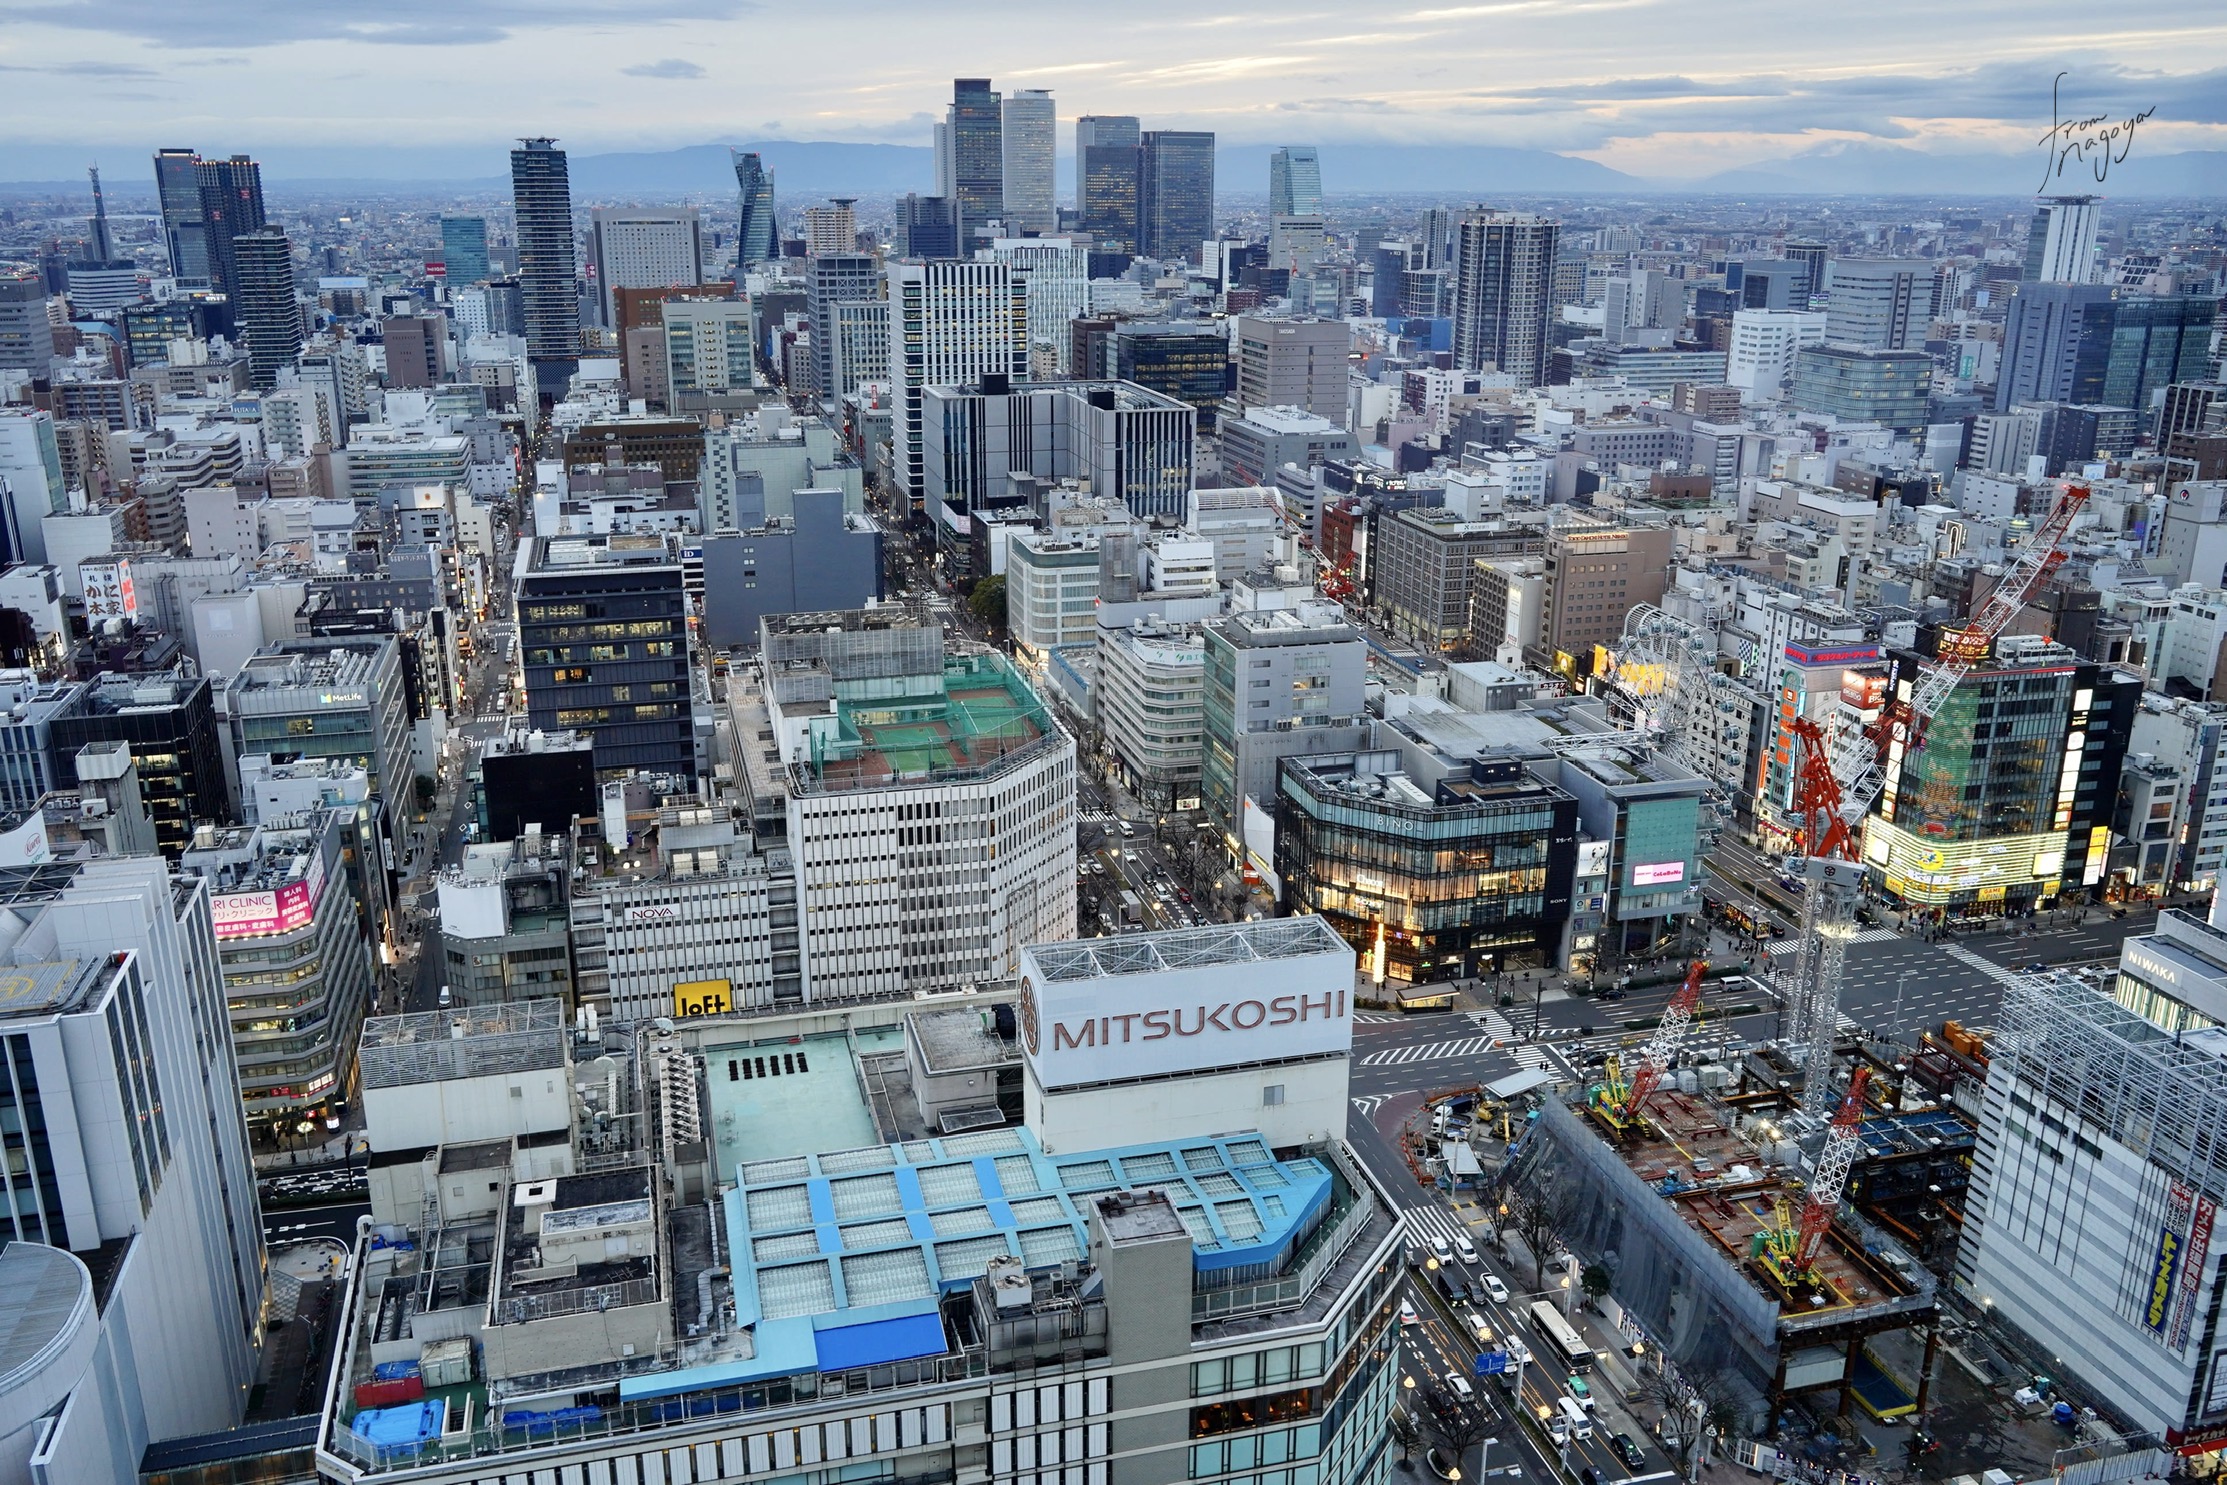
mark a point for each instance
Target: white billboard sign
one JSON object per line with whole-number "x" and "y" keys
{"x": 1160, "y": 1022}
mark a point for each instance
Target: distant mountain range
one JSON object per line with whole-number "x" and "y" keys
{"x": 809, "y": 170}
{"x": 1885, "y": 169}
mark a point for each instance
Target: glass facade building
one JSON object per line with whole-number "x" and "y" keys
{"x": 1466, "y": 879}
{"x": 464, "y": 250}
{"x": 603, "y": 626}
{"x": 2156, "y": 340}
{"x": 1860, "y": 385}
{"x": 1187, "y": 362}
{"x": 1175, "y": 193}
{"x": 1107, "y": 163}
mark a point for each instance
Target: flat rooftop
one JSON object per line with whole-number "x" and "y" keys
{"x": 46, "y": 989}
{"x": 981, "y": 713}
{"x": 1259, "y": 942}
{"x": 781, "y": 1098}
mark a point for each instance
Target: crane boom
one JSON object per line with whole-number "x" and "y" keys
{"x": 1833, "y": 1165}
{"x": 1670, "y": 1035}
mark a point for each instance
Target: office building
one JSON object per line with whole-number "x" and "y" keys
{"x": 1812, "y": 256}
{"x": 951, "y": 324}
{"x": 1107, "y": 179}
{"x": 1266, "y": 439}
{"x": 633, "y": 248}
{"x": 2089, "y": 1221}
{"x": 1175, "y": 193}
{"x": 1151, "y": 704}
{"x": 968, "y": 783}
{"x": 185, "y": 231}
{"x": 1028, "y": 136}
{"x": 1425, "y": 565}
{"x": 970, "y": 157}
{"x": 1429, "y": 879}
{"x": 549, "y": 293}
{"x": 279, "y": 895}
{"x": 26, "y": 335}
{"x": 926, "y": 227}
{"x": 2006, "y": 801}
{"x": 2156, "y": 341}
{"x": 464, "y": 251}
{"x": 1594, "y": 577}
{"x": 1056, "y": 271}
{"x": 845, "y": 277}
{"x": 1301, "y": 364}
{"x": 506, "y": 921}
{"x": 131, "y": 1252}
{"x": 2061, "y": 241}
{"x": 709, "y": 359}
{"x": 1120, "y": 441}
{"x": 1760, "y": 361}
{"x": 603, "y": 634}
{"x": 1503, "y": 292}
{"x": 169, "y": 721}
{"x": 1295, "y": 182}
{"x": 817, "y": 557}
{"x": 338, "y": 697}
{"x": 1860, "y": 385}
{"x": 751, "y": 471}
{"x": 1882, "y": 304}
{"x": 413, "y": 345}
{"x": 832, "y": 228}
{"x": 31, "y": 487}
{"x": 757, "y": 237}
{"x": 231, "y": 206}
{"x": 1786, "y": 284}
{"x": 1055, "y": 578}
{"x": 1186, "y": 361}
{"x": 1279, "y": 683}
{"x": 2056, "y": 344}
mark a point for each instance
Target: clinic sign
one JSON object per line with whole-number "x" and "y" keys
{"x": 1158, "y": 1023}
{"x": 281, "y": 909}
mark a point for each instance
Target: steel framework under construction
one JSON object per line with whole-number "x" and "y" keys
{"x": 1843, "y": 767}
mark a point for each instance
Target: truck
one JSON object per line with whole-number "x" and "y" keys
{"x": 1132, "y": 910}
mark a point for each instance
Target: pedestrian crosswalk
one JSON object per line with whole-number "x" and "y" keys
{"x": 1378, "y": 1018}
{"x": 1980, "y": 962}
{"x": 1492, "y": 1021}
{"x": 1429, "y": 1051}
{"x": 1432, "y": 1223}
{"x": 1778, "y": 946}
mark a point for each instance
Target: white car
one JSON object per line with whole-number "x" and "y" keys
{"x": 1458, "y": 1384}
{"x": 1495, "y": 1290}
{"x": 1442, "y": 1250}
{"x": 1408, "y": 1316}
{"x": 1466, "y": 1248}
{"x": 1479, "y": 1329}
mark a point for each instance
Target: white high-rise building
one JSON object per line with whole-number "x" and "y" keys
{"x": 2061, "y": 244}
{"x": 1030, "y": 124}
{"x": 951, "y": 323}
{"x": 1057, "y": 273}
{"x": 1879, "y": 303}
{"x": 131, "y": 1252}
{"x": 638, "y": 249}
{"x": 1764, "y": 341}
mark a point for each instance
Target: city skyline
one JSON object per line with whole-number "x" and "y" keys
{"x": 1639, "y": 90}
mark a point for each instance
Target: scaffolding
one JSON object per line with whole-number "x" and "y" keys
{"x": 468, "y": 1042}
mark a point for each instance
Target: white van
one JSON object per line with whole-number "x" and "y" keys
{"x": 1575, "y": 1418}
{"x": 1464, "y": 1247}
{"x": 1440, "y": 1251}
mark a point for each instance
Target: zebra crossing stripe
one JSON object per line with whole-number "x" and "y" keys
{"x": 1429, "y": 1051}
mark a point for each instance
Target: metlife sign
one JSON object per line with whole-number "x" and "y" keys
{"x": 1159, "y": 1021}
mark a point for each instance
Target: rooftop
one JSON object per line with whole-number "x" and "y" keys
{"x": 1259, "y": 942}
{"x": 51, "y": 988}
{"x": 976, "y": 715}
{"x": 469, "y": 1041}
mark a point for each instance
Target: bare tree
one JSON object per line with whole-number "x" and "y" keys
{"x": 1459, "y": 1426}
{"x": 1536, "y": 1215}
{"x": 1406, "y": 1432}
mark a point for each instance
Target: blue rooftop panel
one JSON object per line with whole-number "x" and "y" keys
{"x": 880, "y": 1341}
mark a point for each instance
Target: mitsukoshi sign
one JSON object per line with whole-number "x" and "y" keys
{"x": 1185, "y": 1020}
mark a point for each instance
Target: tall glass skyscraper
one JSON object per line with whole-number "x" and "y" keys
{"x": 1106, "y": 166}
{"x": 464, "y": 250}
{"x": 541, "y": 191}
{"x": 755, "y": 240}
{"x": 1175, "y": 192}
{"x": 1295, "y": 182}
{"x": 231, "y": 204}
{"x": 185, "y": 232}
{"x": 974, "y": 156}
{"x": 1030, "y": 124}
{"x": 265, "y": 313}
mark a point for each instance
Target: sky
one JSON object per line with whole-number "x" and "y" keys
{"x": 1663, "y": 89}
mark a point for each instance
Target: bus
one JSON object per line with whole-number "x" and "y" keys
{"x": 1561, "y": 1337}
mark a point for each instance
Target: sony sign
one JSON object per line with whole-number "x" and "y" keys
{"x": 1183, "y": 1020}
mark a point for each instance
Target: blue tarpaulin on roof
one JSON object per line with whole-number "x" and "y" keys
{"x": 411, "y": 1423}
{"x": 878, "y": 1341}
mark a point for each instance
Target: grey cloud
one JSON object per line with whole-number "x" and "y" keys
{"x": 669, "y": 67}
{"x": 394, "y": 23}
{"x": 85, "y": 69}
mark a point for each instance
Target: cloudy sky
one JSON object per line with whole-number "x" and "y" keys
{"x": 1661, "y": 88}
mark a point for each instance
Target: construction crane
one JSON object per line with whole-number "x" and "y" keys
{"x": 1843, "y": 771}
{"x": 1619, "y": 1103}
{"x": 1787, "y": 1251}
